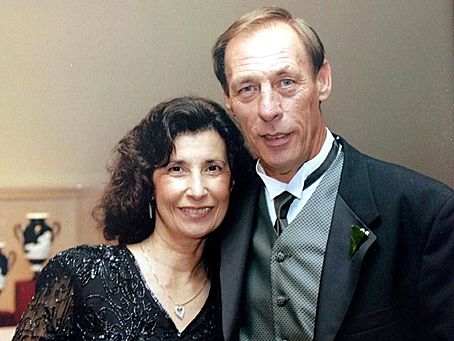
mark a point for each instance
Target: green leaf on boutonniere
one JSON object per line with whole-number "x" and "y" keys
{"x": 358, "y": 236}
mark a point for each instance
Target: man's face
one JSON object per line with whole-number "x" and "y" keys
{"x": 274, "y": 95}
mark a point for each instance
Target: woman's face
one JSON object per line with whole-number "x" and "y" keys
{"x": 192, "y": 192}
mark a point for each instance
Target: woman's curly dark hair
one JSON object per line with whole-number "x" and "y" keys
{"x": 122, "y": 212}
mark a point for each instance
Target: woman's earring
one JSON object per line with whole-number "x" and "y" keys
{"x": 150, "y": 210}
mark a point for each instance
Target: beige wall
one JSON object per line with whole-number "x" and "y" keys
{"x": 76, "y": 75}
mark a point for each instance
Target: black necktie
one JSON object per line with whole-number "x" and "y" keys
{"x": 283, "y": 201}
{"x": 281, "y": 204}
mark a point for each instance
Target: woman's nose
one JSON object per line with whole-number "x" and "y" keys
{"x": 197, "y": 188}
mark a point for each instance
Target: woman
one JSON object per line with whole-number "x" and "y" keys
{"x": 169, "y": 190}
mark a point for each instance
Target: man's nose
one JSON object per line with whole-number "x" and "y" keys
{"x": 269, "y": 104}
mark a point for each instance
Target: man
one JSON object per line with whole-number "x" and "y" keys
{"x": 361, "y": 249}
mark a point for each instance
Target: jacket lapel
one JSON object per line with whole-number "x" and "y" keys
{"x": 354, "y": 206}
{"x": 234, "y": 250}
{"x": 340, "y": 274}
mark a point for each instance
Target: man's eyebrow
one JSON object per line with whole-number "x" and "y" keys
{"x": 285, "y": 69}
{"x": 241, "y": 80}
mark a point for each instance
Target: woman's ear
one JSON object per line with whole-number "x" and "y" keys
{"x": 324, "y": 81}
{"x": 232, "y": 185}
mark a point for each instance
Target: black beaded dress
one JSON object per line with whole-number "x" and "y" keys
{"x": 99, "y": 293}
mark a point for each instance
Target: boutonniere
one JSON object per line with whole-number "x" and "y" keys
{"x": 359, "y": 236}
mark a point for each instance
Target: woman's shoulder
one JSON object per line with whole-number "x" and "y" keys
{"x": 86, "y": 261}
{"x": 91, "y": 252}
{"x": 88, "y": 254}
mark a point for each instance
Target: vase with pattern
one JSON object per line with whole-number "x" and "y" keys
{"x": 7, "y": 260}
{"x": 37, "y": 238}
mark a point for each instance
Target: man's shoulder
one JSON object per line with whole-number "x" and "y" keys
{"x": 391, "y": 177}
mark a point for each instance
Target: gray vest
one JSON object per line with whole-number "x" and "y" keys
{"x": 283, "y": 275}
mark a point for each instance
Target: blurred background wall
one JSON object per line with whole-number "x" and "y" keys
{"x": 75, "y": 76}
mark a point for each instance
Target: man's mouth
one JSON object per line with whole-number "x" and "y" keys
{"x": 275, "y": 136}
{"x": 276, "y": 140}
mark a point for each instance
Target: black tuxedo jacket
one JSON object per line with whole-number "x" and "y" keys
{"x": 399, "y": 285}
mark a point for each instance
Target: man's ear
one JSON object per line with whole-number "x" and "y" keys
{"x": 228, "y": 104}
{"x": 324, "y": 81}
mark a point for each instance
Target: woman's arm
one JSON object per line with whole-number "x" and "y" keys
{"x": 49, "y": 315}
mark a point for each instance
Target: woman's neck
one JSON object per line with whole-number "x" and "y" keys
{"x": 174, "y": 260}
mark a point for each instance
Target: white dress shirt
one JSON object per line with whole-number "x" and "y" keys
{"x": 295, "y": 186}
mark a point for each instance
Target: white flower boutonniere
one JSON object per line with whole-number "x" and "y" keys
{"x": 359, "y": 235}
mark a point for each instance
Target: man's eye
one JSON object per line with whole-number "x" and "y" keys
{"x": 287, "y": 82}
{"x": 246, "y": 89}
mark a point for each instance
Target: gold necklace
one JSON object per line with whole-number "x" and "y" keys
{"x": 178, "y": 308}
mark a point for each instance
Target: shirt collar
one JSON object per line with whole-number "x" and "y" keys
{"x": 296, "y": 184}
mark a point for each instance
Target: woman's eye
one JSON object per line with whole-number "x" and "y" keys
{"x": 175, "y": 169}
{"x": 214, "y": 168}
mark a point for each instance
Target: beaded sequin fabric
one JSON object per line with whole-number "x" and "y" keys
{"x": 98, "y": 293}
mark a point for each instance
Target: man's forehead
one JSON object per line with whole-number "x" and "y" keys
{"x": 275, "y": 30}
{"x": 271, "y": 49}
{"x": 263, "y": 42}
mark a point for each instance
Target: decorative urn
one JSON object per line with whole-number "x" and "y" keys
{"x": 37, "y": 238}
{"x": 6, "y": 262}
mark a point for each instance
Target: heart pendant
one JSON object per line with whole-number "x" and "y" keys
{"x": 179, "y": 311}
